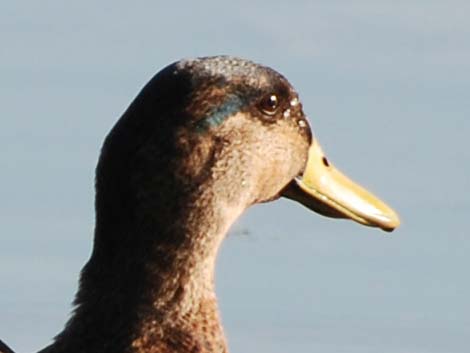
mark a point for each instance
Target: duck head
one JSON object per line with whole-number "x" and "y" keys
{"x": 233, "y": 128}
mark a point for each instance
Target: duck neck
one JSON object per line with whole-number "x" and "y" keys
{"x": 182, "y": 303}
{"x": 149, "y": 283}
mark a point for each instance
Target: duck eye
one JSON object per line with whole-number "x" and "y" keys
{"x": 270, "y": 104}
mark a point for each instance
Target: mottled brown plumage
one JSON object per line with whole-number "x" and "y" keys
{"x": 174, "y": 173}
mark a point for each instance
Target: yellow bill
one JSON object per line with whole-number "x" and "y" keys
{"x": 325, "y": 190}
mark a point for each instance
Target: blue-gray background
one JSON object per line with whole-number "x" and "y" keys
{"x": 387, "y": 88}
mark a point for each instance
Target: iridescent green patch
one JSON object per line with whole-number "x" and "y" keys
{"x": 232, "y": 105}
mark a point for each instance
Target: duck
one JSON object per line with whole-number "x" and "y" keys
{"x": 205, "y": 139}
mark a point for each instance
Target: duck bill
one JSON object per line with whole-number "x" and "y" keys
{"x": 325, "y": 190}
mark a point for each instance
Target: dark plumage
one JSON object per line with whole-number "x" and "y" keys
{"x": 4, "y": 348}
{"x": 204, "y": 140}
